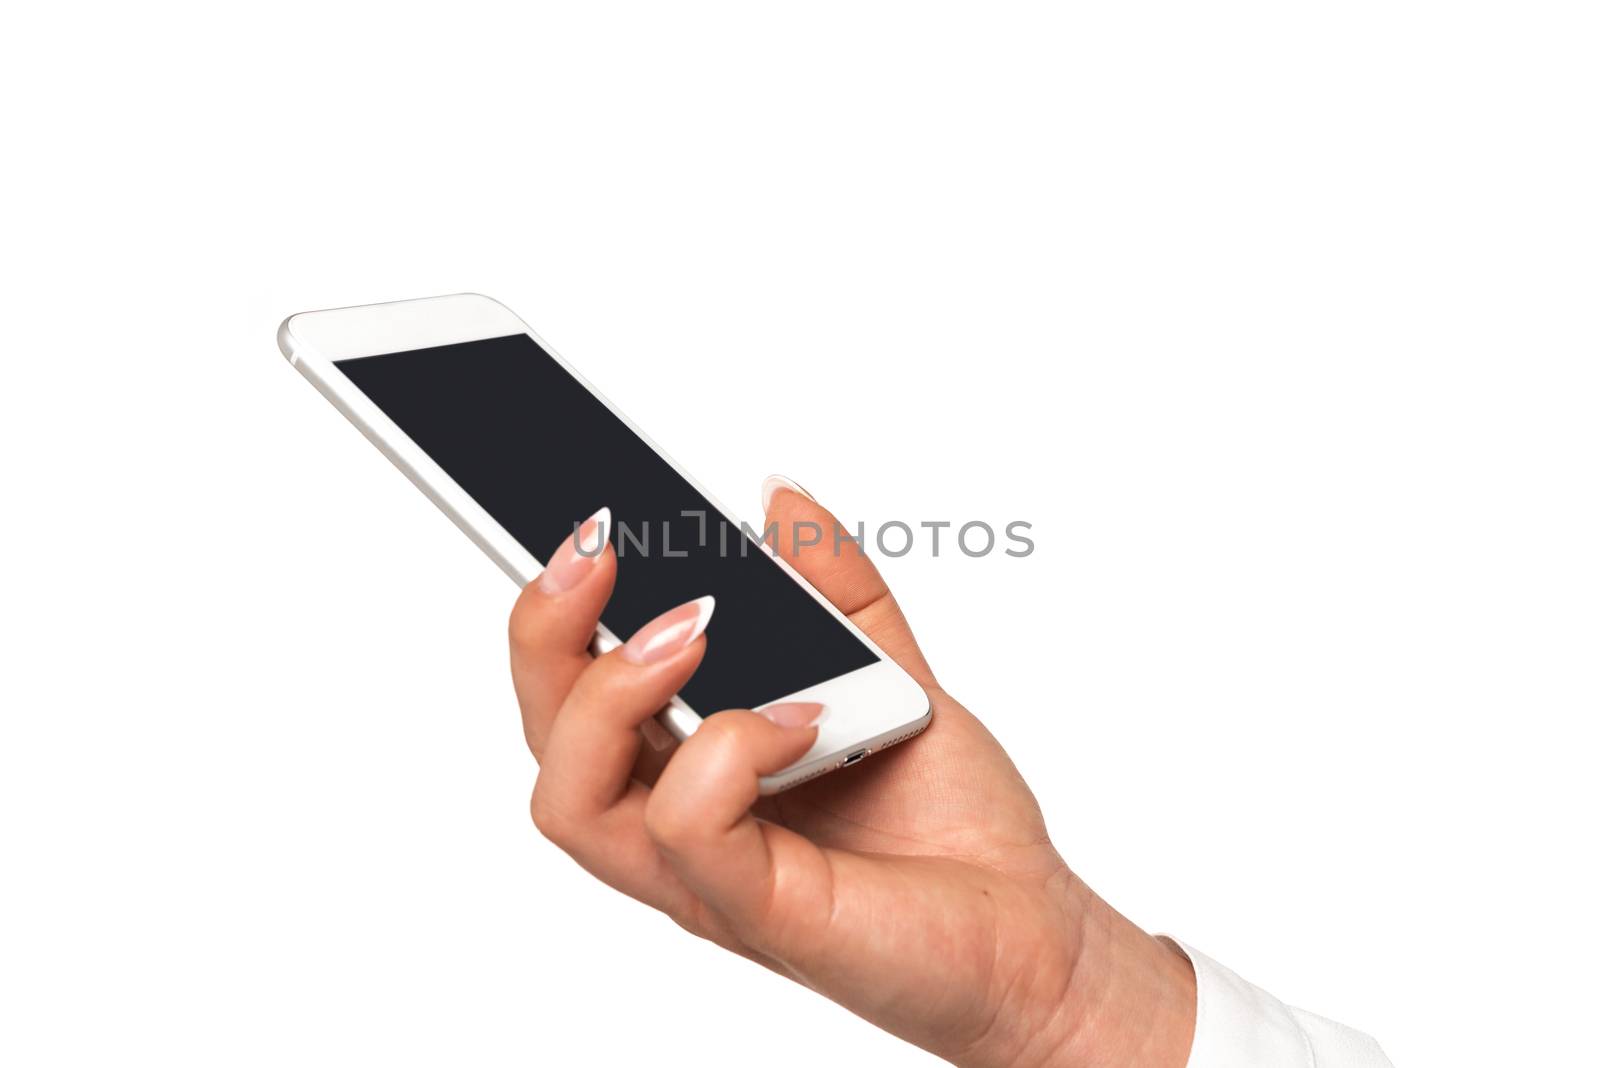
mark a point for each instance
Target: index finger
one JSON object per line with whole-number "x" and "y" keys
{"x": 554, "y": 621}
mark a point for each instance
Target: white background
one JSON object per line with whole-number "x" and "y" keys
{"x": 1277, "y": 321}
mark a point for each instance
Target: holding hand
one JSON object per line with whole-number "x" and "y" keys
{"x": 920, "y": 890}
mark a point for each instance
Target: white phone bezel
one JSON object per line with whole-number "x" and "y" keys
{"x": 870, "y": 708}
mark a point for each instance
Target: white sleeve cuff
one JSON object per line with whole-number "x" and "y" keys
{"x": 1238, "y": 1025}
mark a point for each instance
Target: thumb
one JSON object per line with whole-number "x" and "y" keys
{"x": 823, "y": 551}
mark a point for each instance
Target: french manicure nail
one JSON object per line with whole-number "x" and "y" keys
{"x": 656, "y": 735}
{"x": 669, "y": 633}
{"x": 795, "y": 713}
{"x": 773, "y": 483}
{"x": 572, "y": 562}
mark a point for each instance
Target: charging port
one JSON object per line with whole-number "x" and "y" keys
{"x": 855, "y": 758}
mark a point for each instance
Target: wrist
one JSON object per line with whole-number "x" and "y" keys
{"x": 1132, "y": 997}
{"x": 1116, "y": 995}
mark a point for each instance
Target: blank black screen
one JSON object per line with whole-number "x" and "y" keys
{"x": 540, "y": 453}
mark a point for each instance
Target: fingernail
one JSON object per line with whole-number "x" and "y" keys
{"x": 656, "y": 735}
{"x": 795, "y": 713}
{"x": 669, "y": 633}
{"x": 577, "y": 556}
{"x": 773, "y": 483}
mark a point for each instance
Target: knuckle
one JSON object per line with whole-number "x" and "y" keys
{"x": 606, "y": 682}
{"x": 523, "y": 627}
{"x": 724, "y": 736}
{"x": 669, "y": 824}
{"x": 549, "y": 819}
{"x": 695, "y": 916}
{"x": 722, "y": 731}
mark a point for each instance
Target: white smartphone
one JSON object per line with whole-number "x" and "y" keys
{"x": 466, "y": 400}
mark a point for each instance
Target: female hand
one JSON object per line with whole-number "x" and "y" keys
{"x": 920, "y": 890}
